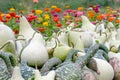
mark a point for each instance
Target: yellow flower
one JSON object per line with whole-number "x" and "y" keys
{"x": 38, "y": 12}
{"x": 45, "y": 23}
{"x": 67, "y": 17}
{"x": 47, "y": 17}
{"x": 80, "y": 8}
{"x": 12, "y": 9}
{"x": 40, "y": 19}
{"x": 54, "y": 7}
{"x": 67, "y": 7}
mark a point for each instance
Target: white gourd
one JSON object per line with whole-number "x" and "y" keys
{"x": 35, "y": 52}
{"x": 105, "y": 70}
{"x": 26, "y": 32}
{"x": 49, "y": 76}
{"x": 86, "y": 24}
{"x": 16, "y": 74}
{"x": 6, "y": 34}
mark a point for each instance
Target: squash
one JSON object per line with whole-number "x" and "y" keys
{"x": 16, "y": 74}
{"x": 6, "y": 34}
{"x": 86, "y": 24}
{"x": 26, "y": 32}
{"x": 104, "y": 71}
{"x": 72, "y": 71}
{"x": 54, "y": 61}
{"x": 26, "y": 71}
{"x": 36, "y": 51}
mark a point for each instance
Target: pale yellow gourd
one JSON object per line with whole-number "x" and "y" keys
{"x": 16, "y": 74}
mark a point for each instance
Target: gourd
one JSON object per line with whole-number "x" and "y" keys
{"x": 49, "y": 76}
{"x": 86, "y": 24}
{"x": 6, "y": 68}
{"x": 115, "y": 62}
{"x": 26, "y": 71}
{"x": 16, "y": 74}
{"x": 75, "y": 41}
{"x": 52, "y": 62}
{"x": 72, "y": 71}
{"x": 105, "y": 71}
{"x": 88, "y": 74}
{"x": 36, "y": 51}
{"x": 6, "y": 34}
{"x": 26, "y": 32}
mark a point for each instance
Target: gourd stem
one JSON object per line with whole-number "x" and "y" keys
{"x": 5, "y": 45}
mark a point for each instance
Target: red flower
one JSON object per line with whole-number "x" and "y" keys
{"x": 56, "y": 19}
{"x": 41, "y": 29}
{"x": 16, "y": 31}
{"x": 59, "y": 25}
{"x": 13, "y": 14}
{"x": 17, "y": 16}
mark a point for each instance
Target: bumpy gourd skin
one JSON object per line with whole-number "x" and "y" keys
{"x": 73, "y": 71}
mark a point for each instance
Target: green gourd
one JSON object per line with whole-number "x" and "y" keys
{"x": 73, "y": 71}
{"x": 49, "y": 64}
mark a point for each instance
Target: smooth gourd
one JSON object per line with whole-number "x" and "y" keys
{"x": 86, "y": 24}
{"x": 26, "y": 31}
{"x": 35, "y": 53}
{"x": 6, "y": 34}
{"x": 16, "y": 74}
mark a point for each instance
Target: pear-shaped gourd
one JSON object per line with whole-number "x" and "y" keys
{"x": 75, "y": 40}
{"x": 35, "y": 52}
{"x": 6, "y": 34}
{"x": 86, "y": 24}
{"x": 26, "y": 32}
{"x": 61, "y": 52}
{"x": 105, "y": 71}
{"x": 16, "y": 74}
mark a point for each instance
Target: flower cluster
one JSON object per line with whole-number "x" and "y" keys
{"x": 53, "y": 18}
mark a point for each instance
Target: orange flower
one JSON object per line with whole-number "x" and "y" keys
{"x": 67, "y": 7}
{"x": 41, "y": 29}
{"x": 111, "y": 19}
{"x": 58, "y": 9}
{"x": 91, "y": 14}
{"x": 117, "y": 21}
{"x": 47, "y": 9}
{"x": 100, "y": 17}
{"x": 80, "y": 8}
{"x": 8, "y": 16}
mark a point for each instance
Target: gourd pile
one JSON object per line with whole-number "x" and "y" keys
{"x": 91, "y": 52}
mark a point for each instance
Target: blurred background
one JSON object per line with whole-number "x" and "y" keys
{"x": 27, "y": 5}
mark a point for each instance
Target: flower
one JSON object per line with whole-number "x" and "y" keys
{"x": 38, "y": 12}
{"x": 58, "y": 10}
{"x": 80, "y": 8}
{"x": 101, "y": 16}
{"x": 59, "y": 25}
{"x": 41, "y": 29}
{"x": 117, "y": 21}
{"x": 67, "y": 7}
{"x": 45, "y": 23}
{"x": 13, "y": 14}
{"x": 54, "y": 7}
{"x": 35, "y": 1}
{"x": 111, "y": 19}
{"x": 8, "y": 16}
{"x": 56, "y": 19}
{"x": 90, "y": 14}
{"x": 16, "y": 31}
{"x": 47, "y": 9}
{"x": 47, "y": 17}
{"x": 12, "y": 9}
{"x": 67, "y": 17}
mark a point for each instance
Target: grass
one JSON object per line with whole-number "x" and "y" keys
{"x": 5, "y": 5}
